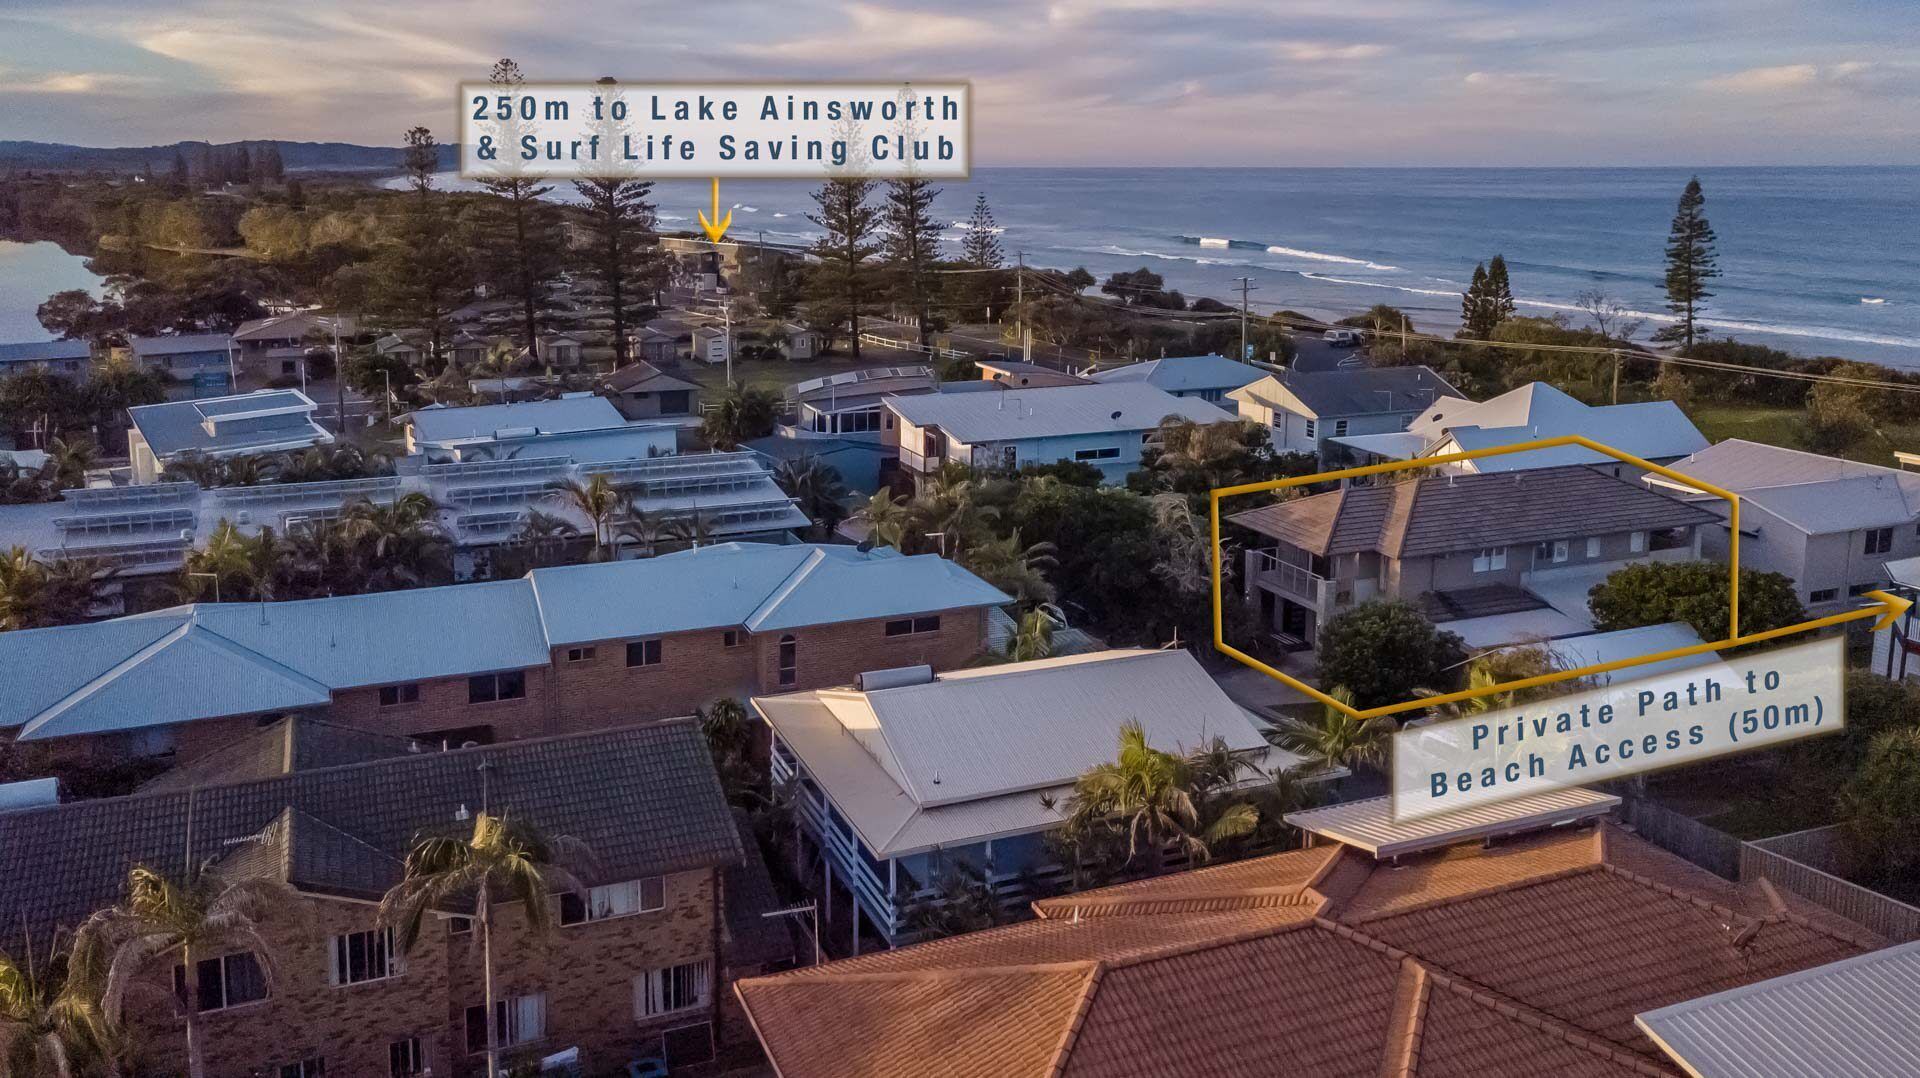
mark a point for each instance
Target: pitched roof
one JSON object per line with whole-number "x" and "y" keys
{"x": 645, "y": 800}
{"x": 1486, "y": 972}
{"x": 293, "y": 326}
{"x": 1855, "y": 1018}
{"x": 644, "y": 377}
{"x": 964, "y": 756}
{"x": 1184, "y": 374}
{"x": 1649, "y": 429}
{"x": 485, "y": 421}
{"x": 1439, "y": 514}
{"x": 179, "y": 344}
{"x": 1051, "y": 411}
{"x": 294, "y": 743}
{"x": 212, "y": 659}
{"x": 1818, "y": 495}
{"x": 1361, "y": 391}
{"x": 33, "y": 351}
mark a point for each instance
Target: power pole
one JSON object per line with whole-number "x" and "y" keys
{"x": 1020, "y": 295}
{"x": 1616, "y": 376}
{"x": 1246, "y": 285}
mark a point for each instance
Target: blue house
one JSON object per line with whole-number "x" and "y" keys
{"x": 57, "y": 357}
{"x": 909, "y": 778}
{"x": 185, "y": 356}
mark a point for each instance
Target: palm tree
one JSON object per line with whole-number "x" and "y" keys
{"x": 545, "y": 535}
{"x": 1033, "y": 639}
{"x": 597, "y": 499}
{"x": 75, "y": 588}
{"x": 242, "y": 567}
{"x": 50, "y": 1022}
{"x": 1500, "y": 667}
{"x": 161, "y": 923}
{"x": 816, "y": 488}
{"x": 692, "y": 529}
{"x": 887, "y": 517}
{"x": 503, "y": 861}
{"x": 245, "y": 471}
{"x": 742, "y": 413}
{"x": 1157, "y": 798}
{"x": 1336, "y": 739}
{"x": 1020, "y": 571}
{"x": 71, "y": 459}
{"x": 638, "y": 526}
{"x": 402, "y": 543}
{"x": 198, "y": 468}
{"x": 23, "y": 590}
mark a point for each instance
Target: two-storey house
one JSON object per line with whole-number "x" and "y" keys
{"x": 1306, "y": 410}
{"x": 1505, "y": 555}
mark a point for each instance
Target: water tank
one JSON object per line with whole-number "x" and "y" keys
{"x": 875, "y": 680}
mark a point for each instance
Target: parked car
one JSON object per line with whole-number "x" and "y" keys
{"x": 1344, "y": 338}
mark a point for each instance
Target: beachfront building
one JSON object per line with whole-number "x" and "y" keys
{"x": 273, "y": 347}
{"x": 1830, "y": 525}
{"x": 1307, "y": 412}
{"x": 1208, "y": 378}
{"x": 1104, "y": 425}
{"x": 633, "y": 969}
{"x": 55, "y": 357}
{"x": 1655, "y": 431}
{"x": 245, "y": 424}
{"x": 560, "y": 650}
{"x": 909, "y": 776}
{"x": 582, "y": 426}
{"x": 1517, "y": 940}
{"x": 188, "y": 357}
{"x": 1498, "y": 557}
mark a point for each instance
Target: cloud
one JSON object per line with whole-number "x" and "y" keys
{"x": 68, "y": 82}
{"x": 1310, "y": 52}
{"x": 1849, "y": 75}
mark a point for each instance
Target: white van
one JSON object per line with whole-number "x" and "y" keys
{"x": 1343, "y": 338}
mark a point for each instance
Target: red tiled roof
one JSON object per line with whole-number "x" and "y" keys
{"x": 1525, "y": 958}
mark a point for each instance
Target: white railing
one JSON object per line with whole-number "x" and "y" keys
{"x": 1299, "y": 582}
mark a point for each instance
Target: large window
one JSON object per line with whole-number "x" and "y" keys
{"x": 1879, "y": 540}
{"x": 406, "y": 1058}
{"x": 867, "y": 419}
{"x": 789, "y": 660}
{"x": 643, "y": 653}
{"x": 364, "y": 956}
{"x": 395, "y": 695}
{"x": 1669, "y": 539}
{"x": 1637, "y": 542}
{"x": 306, "y": 1068}
{"x": 676, "y": 988}
{"x": 1490, "y": 559}
{"x": 913, "y": 626}
{"x": 1105, "y": 452}
{"x": 518, "y": 1020}
{"x": 228, "y": 981}
{"x": 486, "y": 688}
{"x": 610, "y": 900}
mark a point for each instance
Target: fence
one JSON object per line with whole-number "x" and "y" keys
{"x": 1790, "y": 862}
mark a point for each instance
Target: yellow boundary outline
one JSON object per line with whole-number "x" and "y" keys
{"x": 1887, "y": 606}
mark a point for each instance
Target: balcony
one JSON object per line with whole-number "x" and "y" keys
{"x": 1296, "y": 582}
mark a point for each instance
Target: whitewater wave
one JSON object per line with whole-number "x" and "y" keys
{"x": 670, "y": 217}
{"x": 1289, "y": 252}
{"x": 1380, "y": 284}
{"x": 748, "y": 209}
{"x": 964, "y": 226}
{"x": 1210, "y": 241}
{"x": 1873, "y": 301}
{"x": 779, "y": 215}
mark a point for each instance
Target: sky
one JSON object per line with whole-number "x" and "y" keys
{"x": 1055, "y": 82}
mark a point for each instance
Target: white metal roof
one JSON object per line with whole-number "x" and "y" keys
{"x": 968, "y": 755}
{"x": 1856, "y": 1018}
{"x": 1177, "y": 374}
{"x": 560, "y": 416}
{"x": 1369, "y": 825}
{"x": 1051, "y": 411}
{"x": 1650, "y": 429}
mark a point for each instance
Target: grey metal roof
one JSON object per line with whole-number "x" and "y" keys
{"x": 1656, "y": 430}
{"x": 1184, "y": 374}
{"x": 1363, "y": 391}
{"x": 179, "y": 344}
{"x": 1051, "y": 411}
{"x": 32, "y": 351}
{"x": 257, "y": 422}
{"x": 1818, "y": 495}
{"x": 560, "y": 416}
{"x": 1855, "y": 1018}
{"x": 1369, "y": 824}
{"x": 644, "y": 799}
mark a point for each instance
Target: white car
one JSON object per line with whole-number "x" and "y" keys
{"x": 1343, "y": 338}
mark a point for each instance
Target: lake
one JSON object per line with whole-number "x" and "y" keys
{"x": 29, "y": 273}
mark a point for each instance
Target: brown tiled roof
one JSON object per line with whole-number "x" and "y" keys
{"x": 295, "y": 743}
{"x": 643, "y": 375}
{"x": 1440, "y": 514}
{"x": 1530, "y": 957}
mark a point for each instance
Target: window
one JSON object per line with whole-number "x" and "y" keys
{"x": 1637, "y": 542}
{"x": 789, "y": 660}
{"x": 730, "y": 638}
{"x": 1824, "y": 595}
{"x": 395, "y": 695}
{"x": 914, "y": 626}
{"x": 1339, "y": 428}
{"x": 614, "y": 900}
{"x": 1879, "y": 540}
{"x": 643, "y": 653}
{"x": 1560, "y": 550}
{"x": 1490, "y": 559}
{"x": 406, "y": 1058}
{"x": 580, "y": 655}
{"x": 486, "y": 688}
{"x": 676, "y": 988}
{"x": 306, "y": 1068}
{"x": 515, "y": 1021}
{"x": 1593, "y": 546}
{"x": 224, "y": 982}
{"x": 459, "y": 926}
{"x": 364, "y": 956}
{"x": 1311, "y": 428}
{"x": 1106, "y": 452}
{"x": 1670, "y": 539}
{"x": 867, "y": 419}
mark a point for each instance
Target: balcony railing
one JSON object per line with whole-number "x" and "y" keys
{"x": 1301, "y": 583}
{"x": 921, "y": 462}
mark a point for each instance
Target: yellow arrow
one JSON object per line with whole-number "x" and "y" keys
{"x": 715, "y": 231}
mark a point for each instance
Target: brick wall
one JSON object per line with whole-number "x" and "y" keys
{"x": 443, "y": 706}
{"x": 586, "y": 970}
{"x": 831, "y": 655}
{"x": 695, "y": 669}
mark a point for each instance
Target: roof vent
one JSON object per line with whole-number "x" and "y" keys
{"x": 894, "y": 678}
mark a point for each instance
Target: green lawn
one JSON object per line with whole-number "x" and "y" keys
{"x": 1781, "y": 426}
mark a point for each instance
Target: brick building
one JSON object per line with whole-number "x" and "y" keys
{"x": 559, "y": 651}
{"x": 331, "y": 812}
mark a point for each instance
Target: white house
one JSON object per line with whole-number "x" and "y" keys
{"x": 1305, "y": 410}
{"x": 1104, "y": 425}
{"x": 247, "y": 424}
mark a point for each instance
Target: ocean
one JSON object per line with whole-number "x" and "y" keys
{"x": 1817, "y": 261}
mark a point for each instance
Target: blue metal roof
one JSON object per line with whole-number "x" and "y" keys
{"x": 547, "y": 417}
{"x": 1182, "y": 374}
{"x": 179, "y": 345}
{"x": 180, "y": 426}
{"x": 34, "y": 351}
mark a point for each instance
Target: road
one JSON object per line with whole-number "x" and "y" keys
{"x": 1314, "y": 354}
